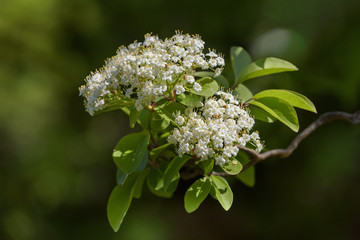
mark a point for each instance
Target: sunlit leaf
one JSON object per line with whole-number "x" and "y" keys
{"x": 130, "y": 151}
{"x": 155, "y": 181}
{"x": 232, "y": 167}
{"x": 119, "y": 201}
{"x": 242, "y": 92}
{"x": 196, "y": 194}
{"x": 261, "y": 115}
{"x": 223, "y": 191}
{"x": 168, "y": 110}
{"x": 159, "y": 123}
{"x": 209, "y": 87}
{"x": 239, "y": 59}
{"x": 191, "y": 100}
{"x": 279, "y": 109}
{"x": 154, "y": 153}
{"x": 206, "y": 165}
{"x": 221, "y": 79}
{"x": 264, "y": 67}
{"x": 173, "y": 169}
{"x": 293, "y": 98}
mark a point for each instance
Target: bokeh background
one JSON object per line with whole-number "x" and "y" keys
{"x": 56, "y": 170}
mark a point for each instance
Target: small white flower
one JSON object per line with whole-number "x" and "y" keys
{"x": 212, "y": 62}
{"x": 197, "y": 87}
{"x": 212, "y": 54}
{"x": 179, "y": 89}
{"x": 190, "y": 79}
{"x": 217, "y": 72}
{"x": 220, "y": 61}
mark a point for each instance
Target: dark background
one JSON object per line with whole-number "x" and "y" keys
{"x": 56, "y": 170}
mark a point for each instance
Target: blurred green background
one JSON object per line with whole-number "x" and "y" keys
{"x": 56, "y": 170}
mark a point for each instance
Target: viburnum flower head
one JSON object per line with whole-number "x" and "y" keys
{"x": 216, "y": 130}
{"x": 143, "y": 71}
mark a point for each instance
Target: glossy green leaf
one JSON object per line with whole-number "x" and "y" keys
{"x": 223, "y": 191}
{"x": 133, "y": 117}
{"x": 144, "y": 119}
{"x": 130, "y": 151}
{"x": 293, "y": 98}
{"x": 173, "y": 169}
{"x": 206, "y": 165}
{"x": 191, "y": 100}
{"x": 120, "y": 200}
{"x": 261, "y": 115}
{"x": 239, "y": 59}
{"x": 242, "y": 157}
{"x": 155, "y": 181}
{"x": 158, "y": 123}
{"x": 232, "y": 167}
{"x": 247, "y": 176}
{"x": 144, "y": 161}
{"x": 242, "y": 92}
{"x": 154, "y": 153}
{"x": 209, "y": 87}
{"x": 221, "y": 79}
{"x": 196, "y": 194}
{"x": 280, "y": 110}
{"x": 138, "y": 185}
{"x": 115, "y": 103}
{"x": 120, "y": 176}
{"x": 264, "y": 67}
{"x": 168, "y": 110}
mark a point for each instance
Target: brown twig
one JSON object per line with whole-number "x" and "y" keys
{"x": 283, "y": 153}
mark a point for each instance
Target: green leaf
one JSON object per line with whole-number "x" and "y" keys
{"x": 144, "y": 161}
{"x": 155, "y": 181}
{"x": 158, "y": 123}
{"x": 206, "y": 165}
{"x": 261, "y": 115}
{"x": 293, "y": 98}
{"x": 191, "y": 100}
{"x": 209, "y": 87}
{"x": 247, "y": 176}
{"x": 144, "y": 119}
{"x": 239, "y": 59}
{"x": 173, "y": 169}
{"x": 232, "y": 167}
{"x": 138, "y": 185}
{"x": 279, "y": 109}
{"x": 221, "y": 79}
{"x": 264, "y": 67}
{"x": 113, "y": 103}
{"x": 120, "y": 176}
{"x": 196, "y": 194}
{"x": 133, "y": 117}
{"x": 168, "y": 110}
{"x": 154, "y": 153}
{"x": 223, "y": 191}
{"x": 242, "y": 92}
{"x": 119, "y": 201}
{"x": 130, "y": 151}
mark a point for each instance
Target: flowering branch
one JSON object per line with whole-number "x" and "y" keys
{"x": 283, "y": 153}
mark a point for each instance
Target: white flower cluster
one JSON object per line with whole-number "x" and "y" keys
{"x": 216, "y": 130}
{"x": 149, "y": 69}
